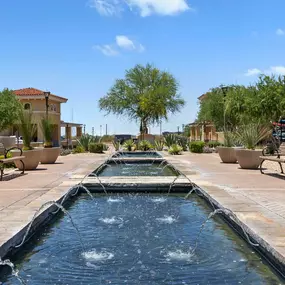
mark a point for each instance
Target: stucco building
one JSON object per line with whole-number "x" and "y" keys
{"x": 204, "y": 131}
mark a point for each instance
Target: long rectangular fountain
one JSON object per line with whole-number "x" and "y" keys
{"x": 125, "y": 233}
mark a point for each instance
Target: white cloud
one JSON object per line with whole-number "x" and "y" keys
{"x": 278, "y": 70}
{"x": 107, "y": 50}
{"x": 106, "y": 7}
{"x": 280, "y": 32}
{"x": 252, "y": 72}
{"x": 144, "y": 7}
{"x": 125, "y": 43}
{"x": 160, "y": 7}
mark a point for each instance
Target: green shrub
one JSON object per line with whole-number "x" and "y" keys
{"x": 145, "y": 145}
{"x": 159, "y": 145}
{"x": 64, "y": 152}
{"x": 96, "y": 147}
{"x": 78, "y": 149}
{"x": 170, "y": 140}
{"x": 105, "y": 147}
{"x": 175, "y": 149}
{"x": 8, "y": 165}
{"x": 128, "y": 145}
{"x": 213, "y": 144}
{"x": 196, "y": 147}
{"x": 116, "y": 145}
{"x": 86, "y": 139}
{"x": 182, "y": 141}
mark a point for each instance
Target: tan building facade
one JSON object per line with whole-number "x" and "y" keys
{"x": 34, "y": 100}
{"x": 204, "y": 131}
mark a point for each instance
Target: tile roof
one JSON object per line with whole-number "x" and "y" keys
{"x": 32, "y": 92}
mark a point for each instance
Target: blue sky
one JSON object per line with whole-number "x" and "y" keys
{"x": 77, "y": 48}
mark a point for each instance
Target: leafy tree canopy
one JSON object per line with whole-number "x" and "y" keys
{"x": 145, "y": 95}
{"x": 9, "y": 109}
{"x": 262, "y": 102}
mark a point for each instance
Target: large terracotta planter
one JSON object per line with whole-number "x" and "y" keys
{"x": 50, "y": 155}
{"x": 31, "y": 160}
{"x": 248, "y": 159}
{"x": 227, "y": 154}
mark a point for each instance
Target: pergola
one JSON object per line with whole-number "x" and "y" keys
{"x": 68, "y": 132}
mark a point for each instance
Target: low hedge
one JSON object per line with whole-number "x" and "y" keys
{"x": 196, "y": 147}
{"x": 213, "y": 144}
{"x": 96, "y": 147}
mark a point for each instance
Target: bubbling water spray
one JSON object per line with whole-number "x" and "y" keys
{"x": 15, "y": 272}
{"x": 50, "y": 203}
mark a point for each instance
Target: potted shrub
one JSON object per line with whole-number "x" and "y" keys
{"x": 249, "y": 136}
{"x": 28, "y": 130}
{"x": 227, "y": 152}
{"x": 49, "y": 153}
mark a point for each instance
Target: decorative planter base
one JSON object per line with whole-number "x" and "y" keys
{"x": 31, "y": 160}
{"x": 50, "y": 155}
{"x": 227, "y": 154}
{"x": 248, "y": 159}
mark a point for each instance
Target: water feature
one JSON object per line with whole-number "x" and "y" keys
{"x": 136, "y": 168}
{"x": 138, "y": 154}
{"x": 14, "y": 272}
{"x": 140, "y": 239}
{"x": 45, "y": 205}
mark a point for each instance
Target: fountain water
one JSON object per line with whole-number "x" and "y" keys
{"x": 100, "y": 183}
{"x": 50, "y": 203}
{"x": 163, "y": 161}
{"x": 228, "y": 213}
{"x": 15, "y": 272}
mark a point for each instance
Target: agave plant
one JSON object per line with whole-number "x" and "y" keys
{"x": 251, "y": 134}
{"x": 128, "y": 145}
{"x": 47, "y": 129}
{"x": 175, "y": 149}
{"x": 170, "y": 140}
{"x": 27, "y": 128}
{"x": 84, "y": 141}
{"x": 145, "y": 145}
{"x": 116, "y": 145}
{"x": 159, "y": 145}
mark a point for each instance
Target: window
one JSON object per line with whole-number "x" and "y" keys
{"x": 27, "y": 106}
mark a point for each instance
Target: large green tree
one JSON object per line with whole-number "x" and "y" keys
{"x": 146, "y": 95}
{"x": 9, "y": 109}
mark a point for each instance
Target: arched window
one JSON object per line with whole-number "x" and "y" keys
{"x": 51, "y": 107}
{"x": 27, "y": 106}
{"x": 54, "y": 107}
